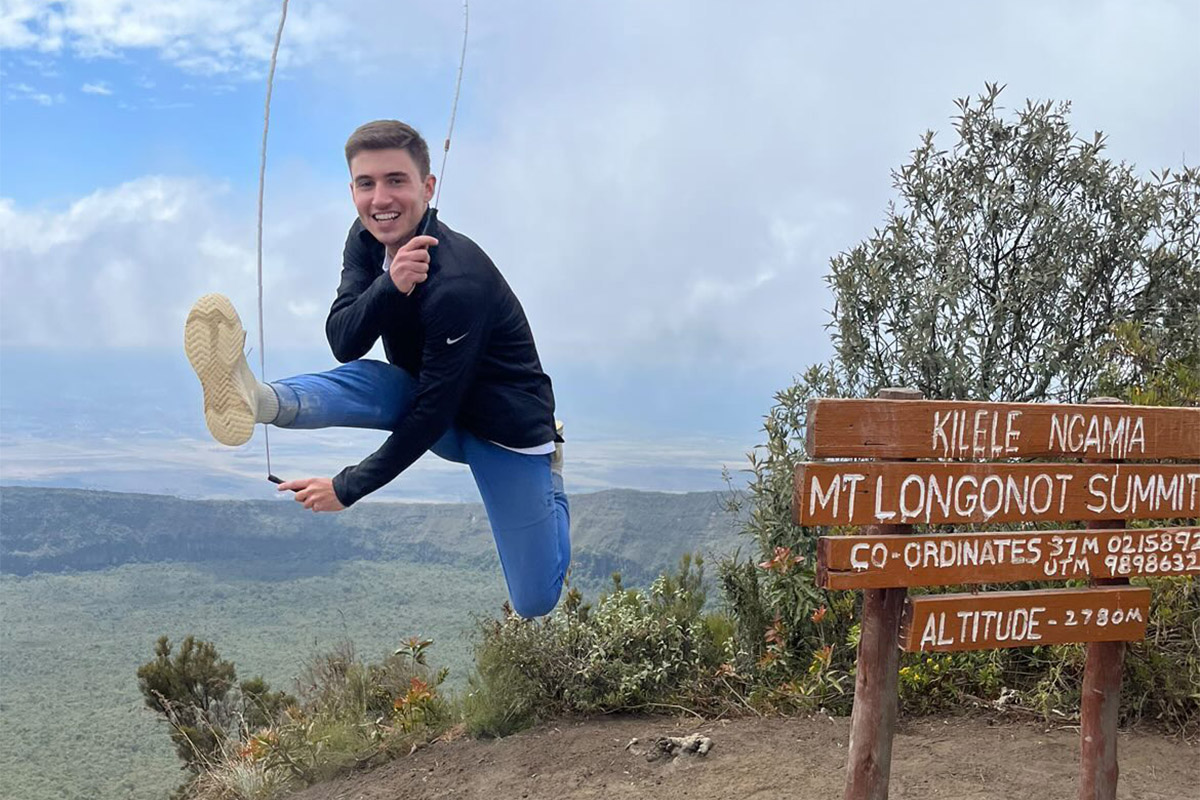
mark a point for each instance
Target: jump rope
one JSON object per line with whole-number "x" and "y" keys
{"x": 426, "y": 223}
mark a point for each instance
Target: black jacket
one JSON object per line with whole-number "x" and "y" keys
{"x": 462, "y": 334}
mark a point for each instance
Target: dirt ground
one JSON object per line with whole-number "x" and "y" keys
{"x": 798, "y": 758}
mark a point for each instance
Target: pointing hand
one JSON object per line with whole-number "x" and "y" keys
{"x": 410, "y": 265}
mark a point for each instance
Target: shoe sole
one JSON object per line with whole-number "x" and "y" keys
{"x": 213, "y": 338}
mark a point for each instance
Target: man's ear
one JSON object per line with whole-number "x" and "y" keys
{"x": 430, "y": 182}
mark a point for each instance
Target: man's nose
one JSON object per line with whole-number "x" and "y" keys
{"x": 381, "y": 196}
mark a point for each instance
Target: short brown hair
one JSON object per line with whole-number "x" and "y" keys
{"x": 387, "y": 134}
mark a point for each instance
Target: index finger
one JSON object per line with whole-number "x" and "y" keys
{"x": 294, "y": 486}
{"x": 418, "y": 242}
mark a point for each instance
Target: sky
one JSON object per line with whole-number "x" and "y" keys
{"x": 663, "y": 185}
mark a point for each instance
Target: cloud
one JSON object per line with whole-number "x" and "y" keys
{"x": 16, "y": 25}
{"x": 664, "y": 184}
{"x": 120, "y": 267}
{"x": 209, "y": 37}
{"x": 23, "y": 91}
{"x": 45, "y": 67}
{"x": 100, "y": 87}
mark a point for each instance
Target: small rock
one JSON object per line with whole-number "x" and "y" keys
{"x": 671, "y": 746}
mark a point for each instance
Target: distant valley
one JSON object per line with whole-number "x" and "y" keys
{"x": 60, "y": 530}
{"x": 88, "y": 581}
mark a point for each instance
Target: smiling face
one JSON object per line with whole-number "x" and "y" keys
{"x": 390, "y": 194}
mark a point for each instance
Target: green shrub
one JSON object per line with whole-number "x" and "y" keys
{"x": 1161, "y": 678}
{"x": 634, "y": 651}
{"x": 1162, "y": 672}
{"x": 258, "y": 744}
{"x": 356, "y": 713}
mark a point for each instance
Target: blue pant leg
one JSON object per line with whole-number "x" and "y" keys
{"x": 360, "y": 394}
{"x": 530, "y": 519}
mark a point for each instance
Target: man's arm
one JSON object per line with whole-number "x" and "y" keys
{"x": 455, "y": 336}
{"x": 365, "y": 293}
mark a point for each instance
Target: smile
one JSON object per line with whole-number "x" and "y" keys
{"x": 388, "y": 217}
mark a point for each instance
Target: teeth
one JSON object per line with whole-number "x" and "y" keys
{"x": 386, "y": 217}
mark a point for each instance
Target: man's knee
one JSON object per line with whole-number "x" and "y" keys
{"x": 536, "y": 603}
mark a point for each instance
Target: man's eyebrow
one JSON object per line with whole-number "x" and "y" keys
{"x": 396, "y": 174}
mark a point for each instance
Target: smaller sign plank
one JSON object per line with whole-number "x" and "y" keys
{"x": 877, "y": 562}
{"x": 948, "y": 622}
{"x": 881, "y": 492}
{"x": 952, "y": 429}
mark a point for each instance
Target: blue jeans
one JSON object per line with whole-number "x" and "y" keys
{"x": 525, "y": 502}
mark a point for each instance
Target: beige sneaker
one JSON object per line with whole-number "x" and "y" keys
{"x": 214, "y": 340}
{"x": 556, "y": 461}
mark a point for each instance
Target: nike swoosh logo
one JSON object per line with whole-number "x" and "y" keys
{"x": 456, "y": 341}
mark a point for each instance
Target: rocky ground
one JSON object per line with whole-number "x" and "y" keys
{"x": 800, "y": 758}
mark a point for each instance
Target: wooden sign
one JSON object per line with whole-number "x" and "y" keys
{"x": 952, "y": 429}
{"x": 867, "y": 493}
{"x": 948, "y": 622}
{"x": 876, "y": 562}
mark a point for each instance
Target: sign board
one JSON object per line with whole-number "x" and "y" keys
{"x": 923, "y": 485}
{"x": 876, "y": 562}
{"x": 951, "y": 429}
{"x": 989, "y": 620}
{"x": 868, "y": 493}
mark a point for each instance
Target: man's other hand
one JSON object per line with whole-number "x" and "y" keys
{"x": 315, "y": 493}
{"x": 410, "y": 265}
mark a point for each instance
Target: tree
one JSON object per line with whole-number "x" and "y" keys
{"x": 1010, "y": 259}
{"x": 1020, "y": 265}
{"x": 192, "y": 690}
{"x": 1144, "y": 368}
{"x": 261, "y": 707}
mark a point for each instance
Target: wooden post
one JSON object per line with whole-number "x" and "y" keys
{"x": 1100, "y": 703}
{"x": 873, "y": 719}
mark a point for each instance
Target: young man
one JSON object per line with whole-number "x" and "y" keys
{"x": 463, "y": 378}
